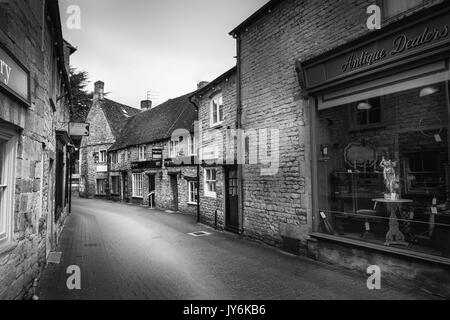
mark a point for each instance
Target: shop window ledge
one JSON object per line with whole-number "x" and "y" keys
{"x": 382, "y": 248}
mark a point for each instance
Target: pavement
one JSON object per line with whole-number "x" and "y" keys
{"x": 128, "y": 252}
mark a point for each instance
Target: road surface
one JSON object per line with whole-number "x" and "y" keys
{"x": 132, "y": 252}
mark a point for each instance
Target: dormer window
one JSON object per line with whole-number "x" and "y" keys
{"x": 216, "y": 111}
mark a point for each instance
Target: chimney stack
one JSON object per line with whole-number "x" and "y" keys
{"x": 99, "y": 90}
{"x": 146, "y": 105}
{"x": 202, "y": 84}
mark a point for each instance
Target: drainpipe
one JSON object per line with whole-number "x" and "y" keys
{"x": 239, "y": 127}
{"x": 198, "y": 191}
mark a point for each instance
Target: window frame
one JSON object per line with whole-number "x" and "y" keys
{"x": 192, "y": 145}
{"x": 216, "y": 121}
{"x": 192, "y": 192}
{"x": 114, "y": 157}
{"x": 353, "y": 112}
{"x": 104, "y": 187}
{"x": 7, "y": 191}
{"x": 137, "y": 185}
{"x": 142, "y": 152}
{"x": 209, "y": 182}
{"x": 113, "y": 189}
{"x": 385, "y": 18}
{"x": 102, "y": 156}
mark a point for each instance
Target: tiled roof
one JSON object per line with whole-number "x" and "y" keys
{"x": 158, "y": 123}
{"x": 117, "y": 115}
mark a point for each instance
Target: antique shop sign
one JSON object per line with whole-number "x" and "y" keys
{"x": 398, "y": 46}
{"x": 13, "y": 76}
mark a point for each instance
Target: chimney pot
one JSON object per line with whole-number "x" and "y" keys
{"x": 99, "y": 90}
{"x": 146, "y": 105}
{"x": 202, "y": 84}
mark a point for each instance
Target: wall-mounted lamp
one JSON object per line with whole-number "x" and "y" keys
{"x": 364, "y": 106}
{"x": 428, "y": 91}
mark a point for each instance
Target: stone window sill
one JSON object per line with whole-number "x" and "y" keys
{"x": 381, "y": 248}
{"x": 192, "y": 204}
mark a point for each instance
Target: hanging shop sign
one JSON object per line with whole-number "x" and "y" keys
{"x": 408, "y": 43}
{"x": 13, "y": 77}
{"x": 78, "y": 129}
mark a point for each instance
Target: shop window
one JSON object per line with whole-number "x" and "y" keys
{"x": 138, "y": 185}
{"x": 216, "y": 110}
{"x": 392, "y": 8}
{"x": 101, "y": 187}
{"x": 366, "y": 114}
{"x": 389, "y": 186}
{"x": 210, "y": 182}
{"x": 115, "y": 185}
{"x": 142, "y": 151}
{"x": 193, "y": 192}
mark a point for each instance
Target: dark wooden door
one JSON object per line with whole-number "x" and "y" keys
{"x": 152, "y": 190}
{"x": 174, "y": 187}
{"x": 232, "y": 200}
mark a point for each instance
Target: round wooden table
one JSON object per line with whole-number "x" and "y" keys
{"x": 394, "y": 235}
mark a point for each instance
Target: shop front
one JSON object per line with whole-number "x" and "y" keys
{"x": 380, "y": 147}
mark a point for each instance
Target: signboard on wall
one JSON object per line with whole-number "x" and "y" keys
{"x": 157, "y": 154}
{"x": 411, "y": 42}
{"x": 13, "y": 77}
{"x": 78, "y": 129}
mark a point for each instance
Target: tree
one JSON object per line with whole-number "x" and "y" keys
{"x": 81, "y": 99}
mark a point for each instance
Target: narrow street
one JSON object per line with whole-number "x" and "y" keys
{"x": 131, "y": 252}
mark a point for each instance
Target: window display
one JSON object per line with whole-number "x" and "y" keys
{"x": 383, "y": 170}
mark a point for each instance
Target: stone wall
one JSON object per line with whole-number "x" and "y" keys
{"x": 22, "y": 259}
{"x": 271, "y": 98}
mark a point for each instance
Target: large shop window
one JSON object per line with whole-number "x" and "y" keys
{"x": 387, "y": 184}
{"x": 7, "y": 169}
{"x": 138, "y": 185}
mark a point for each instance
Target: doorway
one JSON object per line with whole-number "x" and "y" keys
{"x": 231, "y": 200}
{"x": 50, "y": 210}
{"x": 152, "y": 190}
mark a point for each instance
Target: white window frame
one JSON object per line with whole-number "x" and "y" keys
{"x": 216, "y": 102}
{"x": 192, "y": 146}
{"x": 141, "y": 151}
{"x": 7, "y": 184}
{"x": 102, "y": 156}
{"x": 137, "y": 185}
{"x": 192, "y": 192}
{"x": 209, "y": 182}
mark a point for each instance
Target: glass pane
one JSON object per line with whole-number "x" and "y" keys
{"x": 403, "y": 201}
{"x": 2, "y": 151}
{"x": 215, "y": 112}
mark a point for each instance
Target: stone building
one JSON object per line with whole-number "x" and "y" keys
{"x": 34, "y": 142}
{"x": 106, "y": 119}
{"x": 343, "y": 98}
{"x": 153, "y": 162}
{"x": 216, "y": 104}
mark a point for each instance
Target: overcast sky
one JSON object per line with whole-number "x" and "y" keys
{"x": 165, "y": 46}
